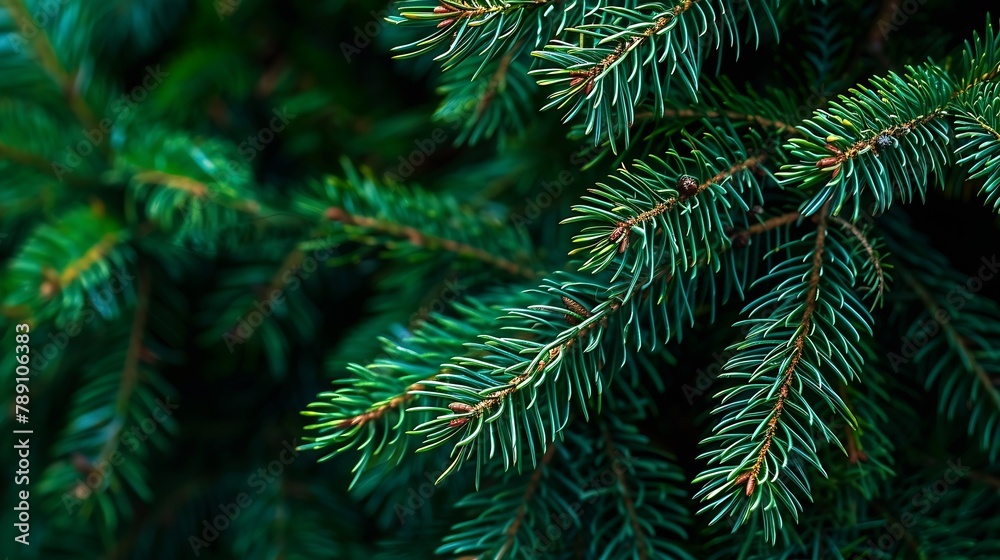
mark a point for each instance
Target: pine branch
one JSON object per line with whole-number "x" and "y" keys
{"x": 734, "y": 116}
{"x": 484, "y": 28}
{"x": 504, "y": 385}
{"x": 506, "y": 518}
{"x": 889, "y": 138}
{"x": 60, "y": 267}
{"x": 49, "y": 61}
{"x": 873, "y": 257}
{"x": 640, "y": 512}
{"x": 388, "y": 215}
{"x": 804, "y": 334}
{"x": 616, "y": 66}
{"x": 805, "y": 328}
{"x": 978, "y": 123}
{"x": 371, "y": 406}
{"x": 633, "y": 517}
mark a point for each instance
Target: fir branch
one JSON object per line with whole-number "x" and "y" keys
{"x": 980, "y": 61}
{"x": 538, "y": 383}
{"x": 25, "y": 158}
{"x": 59, "y": 266}
{"x": 381, "y": 409}
{"x": 977, "y": 124}
{"x": 585, "y": 78}
{"x": 633, "y": 517}
{"x": 498, "y": 77}
{"x": 617, "y": 64}
{"x": 385, "y": 214}
{"x": 58, "y": 280}
{"x": 802, "y": 331}
{"x": 371, "y": 404}
{"x": 49, "y": 62}
{"x": 529, "y": 493}
{"x": 687, "y": 199}
{"x": 484, "y": 28}
{"x": 735, "y": 116}
{"x": 750, "y": 479}
{"x": 130, "y": 368}
{"x": 641, "y": 512}
{"x": 872, "y": 142}
{"x": 899, "y": 121}
{"x": 418, "y": 238}
{"x": 507, "y": 518}
{"x": 960, "y": 342}
{"x": 618, "y": 235}
{"x": 196, "y": 188}
{"x": 967, "y": 326}
{"x": 774, "y": 222}
{"x": 873, "y": 257}
{"x": 499, "y": 104}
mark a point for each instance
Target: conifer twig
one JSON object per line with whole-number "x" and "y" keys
{"x": 129, "y": 377}
{"x": 418, "y": 238}
{"x": 618, "y": 235}
{"x": 773, "y": 223}
{"x": 805, "y": 326}
{"x": 380, "y": 410}
{"x": 49, "y": 62}
{"x": 589, "y": 76}
{"x": 633, "y": 517}
{"x": 496, "y": 79}
{"x": 731, "y": 115}
{"x": 935, "y": 310}
{"x": 868, "y": 249}
{"x": 529, "y": 493}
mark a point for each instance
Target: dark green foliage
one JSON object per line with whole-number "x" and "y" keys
{"x": 401, "y": 309}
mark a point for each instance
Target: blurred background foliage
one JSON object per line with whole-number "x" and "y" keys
{"x": 165, "y": 334}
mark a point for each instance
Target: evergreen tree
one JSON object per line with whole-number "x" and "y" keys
{"x": 500, "y": 279}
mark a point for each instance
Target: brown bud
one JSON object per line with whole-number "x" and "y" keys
{"x": 687, "y": 186}
{"x": 47, "y": 289}
{"x": 446, "y": 22}
{"x": 619, "y": 231}
{"x": 456, "y": 422}
{"x": 460, "y": 407}
{"x": 81, "y": 464}
{"x": 335, "y": 214}
{"x": 575, "y": 307}
{"x": 751, "y": 484}
{"x": 828, "y": 162}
